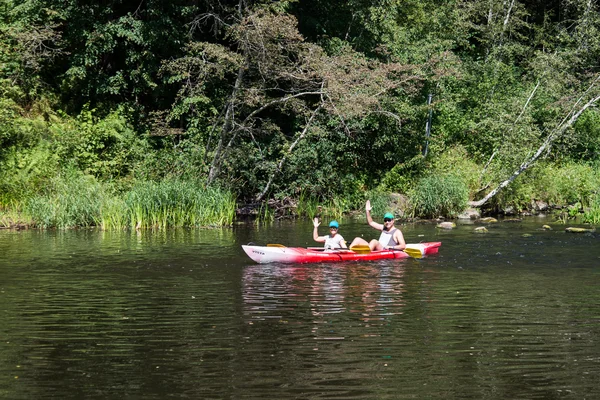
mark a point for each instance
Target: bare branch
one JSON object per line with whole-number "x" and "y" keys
{"x": 389, "y": 114}
{"x": 507, "y": 15}
{"x": 289, "y": 151}
{"x": 277, "y": 101}
{"x": 561, "y": 128}
{"x": 346, "y": 129}
{"x": 514, "y": 123}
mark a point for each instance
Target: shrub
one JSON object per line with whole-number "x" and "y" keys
{"x": 592, "y": 214}
{"x": 105, "y": 148}
{"x": 402, "y": 177}
{"x": 456, "y": 161}
{"x": 439, "y": 195}
{"x": 569, "y": 183}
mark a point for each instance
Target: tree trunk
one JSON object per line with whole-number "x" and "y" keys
{"x": 215, "y": 165}
{"x": 545, "y": 146}
{"x": 282, "y": 161}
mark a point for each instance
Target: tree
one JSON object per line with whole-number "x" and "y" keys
{"x": 566, "y": 86}
{"x": 280, "y": 85}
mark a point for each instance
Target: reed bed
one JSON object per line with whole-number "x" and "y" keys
{"x": 81, "y": 201}
{"x": 311, "y": 207}
{"x": 12, "y": 215}
{"x": 307, "y": 206}
{"x": 265, "y": 214}
{"x": 5, "y": 220}
{"x": 339, "y": 206}
{"x": 69, "y": 201}
{"x": 167, "y": 204}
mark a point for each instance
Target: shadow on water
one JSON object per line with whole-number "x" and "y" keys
{"x": 514, "y": 313}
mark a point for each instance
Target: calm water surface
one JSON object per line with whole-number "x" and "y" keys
{"x": 185, "y": 314}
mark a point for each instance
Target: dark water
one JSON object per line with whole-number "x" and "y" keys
{"x": 185, "y": 314}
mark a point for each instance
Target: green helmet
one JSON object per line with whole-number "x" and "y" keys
{"x": 334, "y": 224}
{"x": 388, "y": 215}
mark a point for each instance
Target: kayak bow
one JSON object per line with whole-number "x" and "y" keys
{"x": 270, "y": 254}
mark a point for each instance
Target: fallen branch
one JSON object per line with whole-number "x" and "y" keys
{"x": 561, "y": 128}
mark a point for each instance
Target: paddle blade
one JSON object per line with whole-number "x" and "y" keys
{"x": 362, "y": 249}
{"x": 275, "y": 245}
{"x": 415, "y": 253}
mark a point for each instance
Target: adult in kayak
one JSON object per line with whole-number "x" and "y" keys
{"x": 332, "y": 241}
{"x": 390, "y": 238}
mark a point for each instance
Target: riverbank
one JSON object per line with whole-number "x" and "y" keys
{"x": 151, "y": 217}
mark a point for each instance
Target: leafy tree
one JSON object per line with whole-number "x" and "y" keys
{"x": 280, "y": 86}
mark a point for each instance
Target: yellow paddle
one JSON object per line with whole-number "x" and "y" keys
{"x": 363, "y": 249}
{"x": 414, "y": 253}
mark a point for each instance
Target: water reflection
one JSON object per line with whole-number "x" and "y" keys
{"x": 185, "y": 314}
{"x": 372, "y": 291}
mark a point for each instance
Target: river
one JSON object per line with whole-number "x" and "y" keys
{"x": 510, "y": 314}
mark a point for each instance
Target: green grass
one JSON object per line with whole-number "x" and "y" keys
{"x": 171, "y": 203}
{"x": 439, "y": 195}
{"x": 568, "y": 183}
{"x": 592, "y": 214}
{"x": 76, "y": 200}
{"x": 308, "y": 206}
{"x": 71, "y": 200}
{"x": 265, "y": 214}
{"x": 380, "y": 204}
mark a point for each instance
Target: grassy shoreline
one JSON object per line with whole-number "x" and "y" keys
{"x": 147, "y": 207}
{"x": 74, "y": 202}
{"x": 71, "y": 198}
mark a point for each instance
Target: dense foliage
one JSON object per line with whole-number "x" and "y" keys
{"x": 320, "y": 102}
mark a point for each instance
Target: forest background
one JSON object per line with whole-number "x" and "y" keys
{"x": 153, "y": 113}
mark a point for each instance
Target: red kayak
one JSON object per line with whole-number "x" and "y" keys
{"x": 282, "y": 254}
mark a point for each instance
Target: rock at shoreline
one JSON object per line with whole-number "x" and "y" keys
{"x": 579, "y": 230}
{"x": 539, "y": 206}
{"x": 446, "y": 225}
{"x": 470, "y": 213}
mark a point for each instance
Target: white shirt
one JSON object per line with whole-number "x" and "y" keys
{"x": 334, "y": 242}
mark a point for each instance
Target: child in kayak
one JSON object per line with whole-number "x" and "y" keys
{"x": 332, "y": 241}
{"x": 390, "y": 238}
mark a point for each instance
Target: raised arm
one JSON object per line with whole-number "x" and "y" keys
{"x": 374, "y": 224}
{"x": 316, "y": 236}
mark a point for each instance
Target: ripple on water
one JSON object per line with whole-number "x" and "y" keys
{"x": 89, "y": 315}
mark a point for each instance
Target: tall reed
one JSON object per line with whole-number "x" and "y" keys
{"x": 265, "y": 214}
{"x": 75, "y": 200}
{"x": 70, "y": 200}
{"x": 170, "y": 203}
{"x": 380, "y": 203}
{"x": 308, "y": 206}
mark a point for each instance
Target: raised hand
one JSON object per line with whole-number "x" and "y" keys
{"x": 316, "y": 222}
{"x": 368, "y": 206}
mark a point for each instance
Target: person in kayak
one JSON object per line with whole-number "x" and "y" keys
{"x": 390, "y": 238}
{"x": 332, "y": 241}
